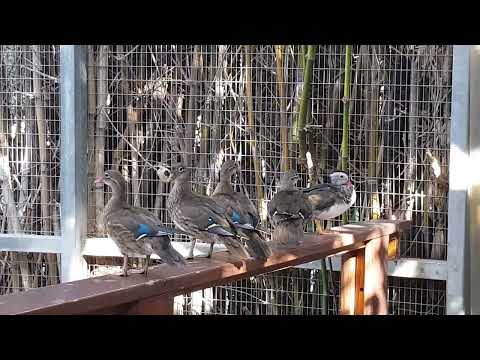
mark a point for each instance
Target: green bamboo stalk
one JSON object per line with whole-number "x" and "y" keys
{"x": 344, "y": 151}
{"x": 306, "y": 58}
{"x": 304, "y": 53}
{"x": 305, "y": 101}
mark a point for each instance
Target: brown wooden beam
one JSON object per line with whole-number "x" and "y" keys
{"x": 115, "y": 294}
{"x": 352, "y": 283}
{"x": 375, "y": 289}
{"x": 394, "y": 246}
{"x": 159, "y": 305}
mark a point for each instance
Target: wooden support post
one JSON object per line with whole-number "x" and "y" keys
{"x": 352, "y": 280}
{"x": 74, "y": 160}
{"x": 376, "y": 252}
{"x": 159, "y": 305}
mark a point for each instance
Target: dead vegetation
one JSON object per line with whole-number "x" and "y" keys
{"x": 232, "y": 101}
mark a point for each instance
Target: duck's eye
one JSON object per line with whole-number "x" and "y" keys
{"x": 107, "y": 175}
{"x": 181, "y": 169}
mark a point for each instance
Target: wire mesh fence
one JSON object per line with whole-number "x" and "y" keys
{"x": 20, "y": 271}
{"x": 300, "y": 292}
{"x": 285, "y": 292}
{"x": 416, "y": 296}
{"x": 29, "y": 159}
{"x": 242, "y": 102}
{"x": 293, "y": 292}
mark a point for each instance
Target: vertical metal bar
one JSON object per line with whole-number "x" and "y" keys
{"x": 474, "y": 177}
{"x": 73, "y": 101}
{"x": 457, "y": 287}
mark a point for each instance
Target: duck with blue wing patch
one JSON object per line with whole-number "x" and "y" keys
{"x": 136, "y": 231}
{"x": 241, "y": 211}
{"x": 198, "y": 215}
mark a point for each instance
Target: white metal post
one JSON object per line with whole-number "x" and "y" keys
{"x": 474, "y": 178}
{"x": 458, "y": 254}
{"x": 74, "y": 161}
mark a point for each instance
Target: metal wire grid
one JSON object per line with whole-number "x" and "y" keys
{"x": 20, "y": 271}
{"x": 29, "y": 159}
{"x": 299, "y": 292}
{"x": 290, "y": 291}
{"x": 416, "y": 296}
{"x": 293, "y": 292}
{"x": 285, "y": 292}
{"x": 30, "y": 139}
{"x": 399, "y": 124}
{"x": 399, "y": 135}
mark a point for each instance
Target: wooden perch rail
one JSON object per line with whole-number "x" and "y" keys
{"x": 365, "y": 248}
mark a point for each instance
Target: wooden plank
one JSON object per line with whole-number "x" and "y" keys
{"x": 111, "y": 310}
{"x": 360, "y": 282}
{"x": 158, "y": 305}
{"x": 375, "y": 290}
{"x": 93, "y": 295}
{"x": 347, "y": 285}
{"x": 393, "y": 251}
{"x": 351, "y": 283}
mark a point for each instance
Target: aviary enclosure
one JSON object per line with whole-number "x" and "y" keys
{"x": 382, "y": 112}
